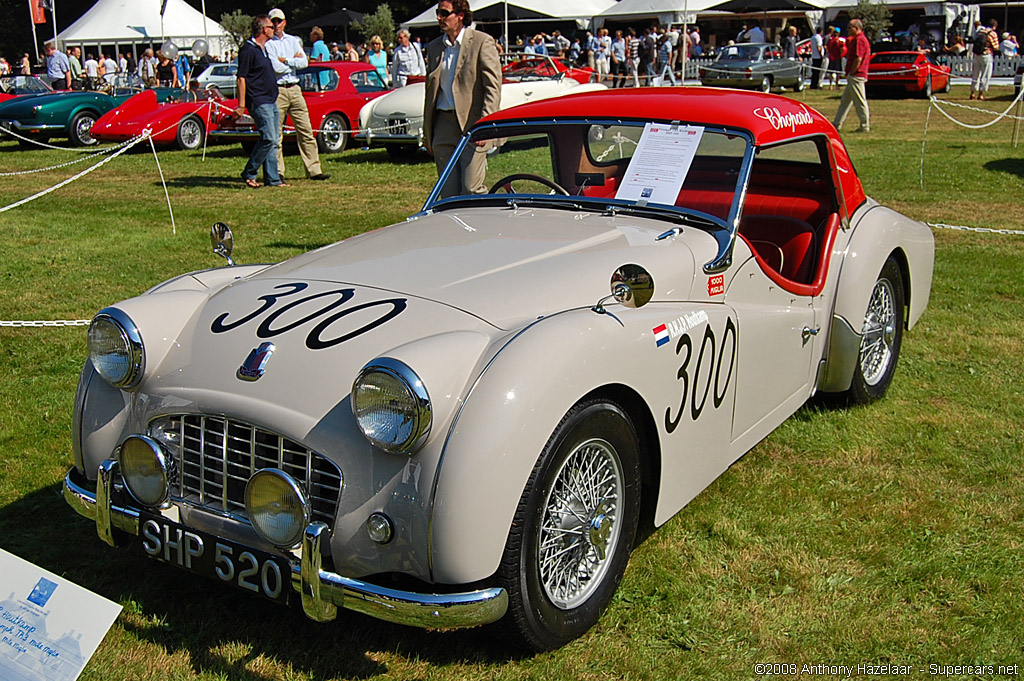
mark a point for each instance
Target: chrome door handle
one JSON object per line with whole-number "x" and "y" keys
{"x": 808, "y": 332}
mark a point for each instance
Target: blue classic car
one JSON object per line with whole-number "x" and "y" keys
{"x": 757, "y": 66}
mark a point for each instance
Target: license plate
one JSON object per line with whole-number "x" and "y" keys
{"x": 398, "y": 126}
{"x": 252, "y": 570}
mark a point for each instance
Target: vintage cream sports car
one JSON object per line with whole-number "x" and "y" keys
{"x": 463, "y": 418}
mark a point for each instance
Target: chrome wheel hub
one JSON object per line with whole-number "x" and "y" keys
{"x": 878, "y": 335}
{"x": 580, "y": 529}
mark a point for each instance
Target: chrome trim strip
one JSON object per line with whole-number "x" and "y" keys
{"x": 449, "y": 611}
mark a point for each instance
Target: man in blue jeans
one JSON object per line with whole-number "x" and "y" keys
{"x": 257, "y": 88}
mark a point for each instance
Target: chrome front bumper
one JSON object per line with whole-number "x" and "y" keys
{"x": 322, "y": 592}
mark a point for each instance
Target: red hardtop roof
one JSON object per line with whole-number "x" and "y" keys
{"x": 770, "y": 118}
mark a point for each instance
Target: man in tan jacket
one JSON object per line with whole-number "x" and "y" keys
{"x": 463, "y": 86}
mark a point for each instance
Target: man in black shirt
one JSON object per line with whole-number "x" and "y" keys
{"x": 257, "y": 89}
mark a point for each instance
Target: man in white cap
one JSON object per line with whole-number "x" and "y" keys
{"x": 287, "y": 56}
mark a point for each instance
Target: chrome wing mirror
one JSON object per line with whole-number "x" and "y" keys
{"x": 222, "y": 240}
{"x": 631, "y": 286}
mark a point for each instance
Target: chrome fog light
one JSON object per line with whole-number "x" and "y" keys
{"x": 391, "y": 406}
{"x": 278, "y": 508}
{"x": 378, "y": 527}
{"x": 146, "y": 468}
{"x": 115, "y": 348}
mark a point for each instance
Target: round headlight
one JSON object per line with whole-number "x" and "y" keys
{"x": 277, "y": 507}
{"x": 146, "y": 469}
{"x": 115, "y": 348}
{"x": 391, "y": 406}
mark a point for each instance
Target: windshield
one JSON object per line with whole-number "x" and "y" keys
{"x": 739, "y": 53}
{"x": 590, "y": 165}
{"x": 22, "y": 85}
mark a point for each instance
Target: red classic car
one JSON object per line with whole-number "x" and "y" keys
{"x": 12, "y": 86}
{"x": 543, "y": 66}
{"x": 183, "y": 122}
{"x": 913, "y": 72}
{"x": 334, "y": 93}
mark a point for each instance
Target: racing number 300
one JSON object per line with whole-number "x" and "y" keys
{"x": 698, "y": 386}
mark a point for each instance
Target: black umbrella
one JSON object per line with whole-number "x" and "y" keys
{"x": 496, "y": 12}
{"x": 757, "y": 6}
{"x": 341, "y": 18}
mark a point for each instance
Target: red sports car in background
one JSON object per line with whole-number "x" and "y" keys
{"x": 183, "y": 122}
{"x": 12, "y": 86}
{"x": 334, "y": 93}
{"x": 913, "y": 72}
{"x": 543, "y": 66}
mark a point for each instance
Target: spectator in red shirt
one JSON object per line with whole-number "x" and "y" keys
{"x": 836, "y": 50}
{"x": 858, "y": 53}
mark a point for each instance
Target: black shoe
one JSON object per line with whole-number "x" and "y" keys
{"x": 320, "y": 176}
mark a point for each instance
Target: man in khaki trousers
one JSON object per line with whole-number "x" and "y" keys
{"x": 287, "y": 56}
{"x": 463, "y": 86}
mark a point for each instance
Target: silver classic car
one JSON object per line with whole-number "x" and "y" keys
{"x": 484, "y": 402}
{"x": 753, "y": 66}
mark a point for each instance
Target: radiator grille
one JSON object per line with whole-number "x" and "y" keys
{"x": 218, "y": 456}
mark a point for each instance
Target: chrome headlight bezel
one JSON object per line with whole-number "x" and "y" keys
{"x": 293, "y": 496}
{"x": 133, "y": 349}
{"x": 417, "y": 406}
{"x": 138, "y": 456}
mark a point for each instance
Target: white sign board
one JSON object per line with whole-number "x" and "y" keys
{"x": 660, "y": 164}
{"x": 49, "y": 627}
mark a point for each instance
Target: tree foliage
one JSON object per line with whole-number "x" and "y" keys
{"x": 238, "y": 25}
{"x": 876, "y": 16}
{"x": 379, "y": 23}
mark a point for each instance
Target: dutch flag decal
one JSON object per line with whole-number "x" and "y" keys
{"x": 660, "y": 335}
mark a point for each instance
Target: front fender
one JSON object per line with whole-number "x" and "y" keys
{"x": 511, "y": 412}
{"x": 878, "y": 233}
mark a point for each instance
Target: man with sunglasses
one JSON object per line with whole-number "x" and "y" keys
{"x": 257, "y": 91}
{"x": 463, "y": 85}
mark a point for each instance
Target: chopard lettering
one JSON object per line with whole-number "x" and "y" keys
{"x": 779, "y": 120}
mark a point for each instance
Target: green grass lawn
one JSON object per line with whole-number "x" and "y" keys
{"x": 887, "y": 533}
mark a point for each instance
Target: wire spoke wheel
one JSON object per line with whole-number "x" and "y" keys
{"x": 878, "y": 333}
{"x": 580, "y": 526}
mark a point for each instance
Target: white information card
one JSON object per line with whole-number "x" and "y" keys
{"x": 49, "y": 627}
{"x": 662, "y": 159}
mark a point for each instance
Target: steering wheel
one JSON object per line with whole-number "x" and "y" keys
{"x": 506, "y": 183}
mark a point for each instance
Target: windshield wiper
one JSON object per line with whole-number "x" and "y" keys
{"x": 684, "y": 218}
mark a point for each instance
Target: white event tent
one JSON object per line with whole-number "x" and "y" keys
{"x": 129, "y": 23}
{"x": 580, "y": 11}
{"x": 665, "y": 11}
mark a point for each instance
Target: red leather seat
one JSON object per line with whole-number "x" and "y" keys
{"x": 773, "y": 235}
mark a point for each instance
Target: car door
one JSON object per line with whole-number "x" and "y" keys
{"x": 780, "y": 252}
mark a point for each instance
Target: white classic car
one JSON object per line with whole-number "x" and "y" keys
{"x": 395, "y": 121}
{"x": 484, "y": 402}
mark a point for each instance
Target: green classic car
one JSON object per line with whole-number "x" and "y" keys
{"x": 65, "y": 114}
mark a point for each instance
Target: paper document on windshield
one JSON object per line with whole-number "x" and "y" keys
{"x": 662, "y": 159}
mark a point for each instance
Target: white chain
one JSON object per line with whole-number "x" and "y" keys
{"x": 937, "y": 103}
{"x": 983, "y": 230}
{"x": 37, "y": 324}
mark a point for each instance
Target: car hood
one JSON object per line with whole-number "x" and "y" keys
{"x": 508, "y": 266}
{"x": 23, "y": 103}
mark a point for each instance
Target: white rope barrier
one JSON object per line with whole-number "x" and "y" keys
{"x": 174, "y": 229}
{"x": 982, "y": 230}
{"x": 937, "y": 103}
{"x": 8, "y": 131}
{"x": 47, "y": 324}
{"x": 102, "y": 152}
{"x": 71, "y": 179}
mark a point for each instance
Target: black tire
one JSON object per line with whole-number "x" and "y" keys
{"x": 766, "y": 84}
{"x": 331, "y": 139}
{"x": 191, "y": 133}
{"x": 78, "y": 131}
{"x": 882, "y": 335}
{"x": 927, "y": 92}
{"x": 544, "y": 613}
{"x": 401, "y": 150}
